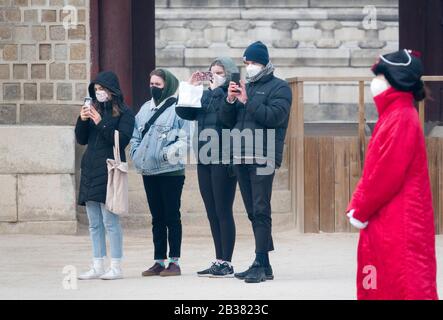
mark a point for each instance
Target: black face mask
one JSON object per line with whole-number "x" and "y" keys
{"x": 156, "y": 93}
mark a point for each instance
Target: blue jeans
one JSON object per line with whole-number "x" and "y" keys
{"x": 101, "y": 221}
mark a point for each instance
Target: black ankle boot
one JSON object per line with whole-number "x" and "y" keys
{"x": 256, "y": 274}
{"x": 268, "y": 272}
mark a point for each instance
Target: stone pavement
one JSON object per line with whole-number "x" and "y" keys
{"x": 306, "y": 267}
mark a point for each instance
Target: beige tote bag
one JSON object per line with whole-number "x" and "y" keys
{"x": 117, "y": 192}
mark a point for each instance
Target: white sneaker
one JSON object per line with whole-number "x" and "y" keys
{"x": 114, "y": 273}
{"x": 96, "y": 271}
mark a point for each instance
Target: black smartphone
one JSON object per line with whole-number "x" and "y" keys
{"x": 235, "y": 77}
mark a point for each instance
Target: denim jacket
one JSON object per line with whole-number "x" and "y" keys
{"x": 165, "y": 147}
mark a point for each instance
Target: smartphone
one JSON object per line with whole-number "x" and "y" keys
{"x": 205, "y": 76}
{"x": 88, "y": 103}
{"x": 235, "y": 77}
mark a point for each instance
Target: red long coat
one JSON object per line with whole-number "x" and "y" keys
{"x": 396, "y": 252}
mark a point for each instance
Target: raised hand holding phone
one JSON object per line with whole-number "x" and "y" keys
{"x": 195, "y": 79}
{"x": 237, "y": 89}
{"x": 243, "y": 98}
{"x": 86, "y": 109}
{"x": 95, "y": 116}
{"x": 198, "y": 77}
{"x": 205, "y": 76}
{"x": 234, "y": 85}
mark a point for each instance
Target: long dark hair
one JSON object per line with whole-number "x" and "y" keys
{"x": 422, "y": 93}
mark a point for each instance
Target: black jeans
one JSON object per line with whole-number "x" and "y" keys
{"x": 256, "y": 192}
{"x": 217, "y": 187}
{"x": 164, "y": 199}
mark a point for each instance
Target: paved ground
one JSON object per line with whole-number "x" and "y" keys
{"x": 306, "y": 267}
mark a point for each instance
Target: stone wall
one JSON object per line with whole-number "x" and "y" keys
{"x": 44, "y": 73}
{"x": 44, "y": 66}
{"x": 37, "y": 183}
{"x": 305, "y": 37}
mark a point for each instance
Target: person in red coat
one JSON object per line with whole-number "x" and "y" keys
{"x": 392, "y": 203}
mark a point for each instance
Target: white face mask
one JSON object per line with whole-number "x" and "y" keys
{"x": 101, "y": 95}
{"x": 252, "y": 70}
{"x": 217, "y": 81}
{"x": 378, "y": 86}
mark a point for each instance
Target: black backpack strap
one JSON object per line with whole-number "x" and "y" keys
{"x": 169, "y": 103}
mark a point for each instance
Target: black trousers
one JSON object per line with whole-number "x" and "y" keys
{"x": 164, "y": 199}
{"x": 256, "y": 192}
{"x": 217, "y": 187}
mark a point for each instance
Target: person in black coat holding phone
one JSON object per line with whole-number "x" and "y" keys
{"x": 260, "y": 107}
{"x": 216, "y": 179}
{"x": 95, "y": 128}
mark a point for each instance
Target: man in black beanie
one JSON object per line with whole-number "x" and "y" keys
{"x": 261, "y": 106}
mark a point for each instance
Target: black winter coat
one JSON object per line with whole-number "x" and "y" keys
{"x": 100, "y": 142}
{"x": 207, "y": 117}
{"x": 268, "y": 107}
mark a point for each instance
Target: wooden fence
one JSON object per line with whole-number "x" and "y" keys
{"x": 324, "y": 170}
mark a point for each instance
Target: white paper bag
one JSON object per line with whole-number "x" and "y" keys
{"x": 189, "y": 96}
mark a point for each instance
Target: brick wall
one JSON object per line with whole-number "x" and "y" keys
{"x": 44, "y": 67}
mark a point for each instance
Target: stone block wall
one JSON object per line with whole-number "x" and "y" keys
{"x": 305, "y": 38}
{"x": 37, "y": 183}
{"x": 44, "y": 67}
{"x": 44, "y": 63}
{"x": 44, "y": 74}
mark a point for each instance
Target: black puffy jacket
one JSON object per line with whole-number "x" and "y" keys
{"x": 207, "y": 117}
{"x": 100, "y": 141}
{"x": 268, "y": 107}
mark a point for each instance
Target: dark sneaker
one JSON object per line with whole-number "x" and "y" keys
{"x": 223, "y": 271}
{"x": 171, "y": 271}
{"x": 256, "y": 274}
{"x": 268, "y": 272}
{"x": 208, "y": 272}
{"x": 155, "y": 270}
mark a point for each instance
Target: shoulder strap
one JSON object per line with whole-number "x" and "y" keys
{"x": 169, "y": 103}
{"x": 117, "y": 157}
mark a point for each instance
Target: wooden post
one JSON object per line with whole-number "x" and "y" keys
{"x": 300, "y": 155}
{"x": 361, "y": 122}
{"x": 421, "y": 110}
{"x": 292, "y": 151}
{"x": 131, "y": 25}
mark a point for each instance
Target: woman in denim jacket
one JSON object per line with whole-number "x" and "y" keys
{"x": 158, "y": 152}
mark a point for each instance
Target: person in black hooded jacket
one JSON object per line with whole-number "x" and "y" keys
{"x": 95, "y": 128}
{"x": 216, "y": 180}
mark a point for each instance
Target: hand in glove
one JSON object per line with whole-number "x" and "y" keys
{"x": 356, "y": 223}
